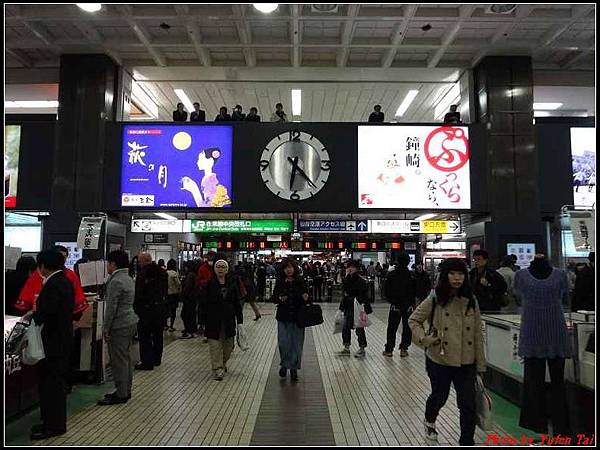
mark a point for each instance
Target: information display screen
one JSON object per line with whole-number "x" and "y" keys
{"x": 583, "y": 155}
{"x": 418, "y": 167}
{"x": 176, "y": 166}
{"x": 12, "y": 143}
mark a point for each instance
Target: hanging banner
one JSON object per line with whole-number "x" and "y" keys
{"x": 583, "y": 229}
{"x": 89, "y": 233}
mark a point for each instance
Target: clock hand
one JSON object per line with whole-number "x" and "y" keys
{"x": 306, "y": 176}
{"x": 295, "y": 165}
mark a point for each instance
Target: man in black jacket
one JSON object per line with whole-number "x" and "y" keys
{"x": 423, "y": 282}
{"x": 179, "y": 115}
{"x": 488, "y": 285}
{"x": 150, "y": 306}
{"x": 197, "y": 114}
{"x": 355, "y": 287}
{"x": 54, "y": 310}
{"x": 401, "y": 292}
{"x": 376, "y": 116}
{"x": 584, "y": 295}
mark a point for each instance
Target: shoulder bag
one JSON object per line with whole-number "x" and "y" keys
{"x": 309, "y": 316}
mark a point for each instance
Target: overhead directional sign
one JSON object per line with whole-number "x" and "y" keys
{"x": 242, "y": 226}
{"x": 333, "y": 226}
{"x": 159, "y": 226}
{"x": 414, "y": 226}
{"x": 440, "y": 227}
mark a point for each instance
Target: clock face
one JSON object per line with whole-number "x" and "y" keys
{"x": 295, "y": 165}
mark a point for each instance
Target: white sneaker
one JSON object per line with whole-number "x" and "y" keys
{"x": 344, "y": 351}
{"x": 431, "y": 435}
{"x": 360, "y": 353}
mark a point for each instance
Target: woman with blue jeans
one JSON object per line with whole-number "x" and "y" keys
{"x": 290, "y": 294}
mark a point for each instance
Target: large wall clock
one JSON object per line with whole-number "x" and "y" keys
{"x": 295, "y": 165}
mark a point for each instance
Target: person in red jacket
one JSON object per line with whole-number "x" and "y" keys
{"x": 205, "y": 274}
{"x": 34, "y": 284}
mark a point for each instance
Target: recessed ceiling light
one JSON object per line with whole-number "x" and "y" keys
{"x": 296, "y": 102}
{"x": 546, "y": 106}
{"x": 426, "y": 217}
{"x": 184, "y": 99}
{"x": 406, "y": 102}
{"x": 90, "y": 7}
{"x": 266, "y": 8}
{"x": 165, "y": 216}
{"x": 31, "y": 104}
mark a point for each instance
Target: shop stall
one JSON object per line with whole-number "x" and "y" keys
{"x": 20, "y": 381}
{"x": 505, "y": 367}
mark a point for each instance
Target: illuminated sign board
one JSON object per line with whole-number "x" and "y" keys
{"x": 414, "y": 167}
{"x": 241, "y": 226}
{"x": 414, "y": 227}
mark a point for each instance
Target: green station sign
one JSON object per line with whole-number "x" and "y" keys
{"x": 242, "y": 226}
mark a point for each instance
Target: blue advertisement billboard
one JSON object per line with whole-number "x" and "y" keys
{"x": 176, "y": 166}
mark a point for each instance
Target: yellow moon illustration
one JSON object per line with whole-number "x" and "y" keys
{"x": 182, "y": 141}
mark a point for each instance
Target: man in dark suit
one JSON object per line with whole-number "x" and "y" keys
{"x": 376, "y": 116}
{"x": 197, "y": 114}
{"x": 150, "y": 305}
{"x": 54, "y": 310}
{"x": 179, "y": 115}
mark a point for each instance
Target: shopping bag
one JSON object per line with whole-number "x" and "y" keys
{"x": 241, "y": 338}
{"x": 338, "y": 322}
{"x": 309, "y": 316}
{"x": 363, "y": 318}
{"x": 16, "y": 339}
{"x": 34, "y": 349}
{"x": 356, "y": 311}
{"x": 483, "y": 406}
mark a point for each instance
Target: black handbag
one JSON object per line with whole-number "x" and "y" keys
{"x": 309, "y": 316}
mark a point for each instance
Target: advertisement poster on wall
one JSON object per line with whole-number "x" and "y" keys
{"x": 525, "y": 253}
{"x": 75, "y": 253}
{"x": 583, "y": 156}
{"x": 176, "y": 166}
{"x": 420, "y": 167}
{"x": 12, "y": 143}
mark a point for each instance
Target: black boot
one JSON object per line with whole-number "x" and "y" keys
{"x": 283, "y": 372}
{"x": 294, "y": 374}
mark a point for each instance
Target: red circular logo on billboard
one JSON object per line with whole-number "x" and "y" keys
{"x": 447, "y": 149}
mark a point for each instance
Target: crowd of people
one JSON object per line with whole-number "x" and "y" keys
{"x": 279, "y": 115}
{"x": 237, "y": 115}
{"x": 141, "y": 299}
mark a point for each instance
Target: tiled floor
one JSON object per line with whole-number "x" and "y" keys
{"x": 340, "y": 400}
{"x": 379, "y": 400}
{"x": 295, "y": 413}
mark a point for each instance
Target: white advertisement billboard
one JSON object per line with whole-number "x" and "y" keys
{"x": 583, "y": 155}
{"x": 419, "y": 167}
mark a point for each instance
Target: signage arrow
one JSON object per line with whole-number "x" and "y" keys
{"x": 454, "y": 226}
{"x": 362, "y": 226}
